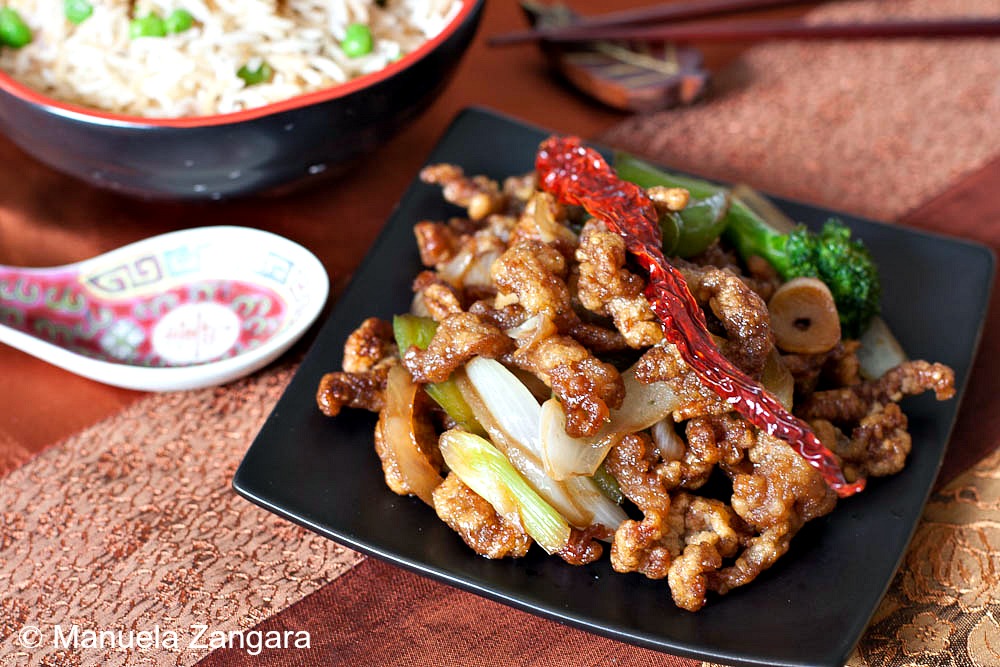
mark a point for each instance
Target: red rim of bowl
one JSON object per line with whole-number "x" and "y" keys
{"x": 14, "y": 87}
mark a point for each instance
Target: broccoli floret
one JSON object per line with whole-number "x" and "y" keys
{"x": 843, "y": 263}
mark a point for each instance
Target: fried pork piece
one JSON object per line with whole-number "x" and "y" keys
{"x": 757, "y": 273}
{"x": 780, "y": 493}
{"x": 681, "y": 536}
{"x": 519, "y": 190}
{"x": 743, "y": 314}
{"x": 440, "y": 301}
{"x": 711, "y": 441}
{"x": 877, "y": 446}
{"x": 460, "y": 336}
{"x": 594, "y": 337}
{"x": 532, "y": 274}
{"x": 480, "y": 195}
{"x": 662, "y": 363}
{"x": 587, "y": 387}
{"x": 639, "y": 545}
{"x": 370, "y": 344}
{"x": 712, "y": 532}
{"x": 369, "y": 352}
{"x": 583, "y": 547}
{"x": 851, "y": 404}
{"x": 475, "y": 520}
{"x": 436, "y": 241}
{"x": 608, "y": 289}
{"x": 839, "y": 367}
{"x": 353, "y": 390}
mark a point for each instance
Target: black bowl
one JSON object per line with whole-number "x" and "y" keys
{"x": 227, "y": 155}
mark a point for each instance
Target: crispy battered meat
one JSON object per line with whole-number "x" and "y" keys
{"x": 370, "y": 344}
{"x": 369, "y": 352}
{"x": 507, "y": 317}
{"x": 533, "y": 274}
{"x": 681, "y": 536}
{"x": 711, "y": 441}
{"x": 638, "y": 545}
{"x": 594, "y": 337}
{"x": 476, "y": 522}
{"x": 712, "y": 532}
{"x": 353, "y": 390}
{"x": 757, "y": 273}
{"x": 459, "y": 337}
{"x": 605, "y": 287}
{"x": 479, "y": 195}
{"x": 742, "y": 312}
{"x": 437, "y": 242}
{"x": 440, "y": 301}
{"x": 663, "y": 363}
{"x": 780, "y": 494}
{"x": 878, "y": 445}
{"x": 587, "y": 387}
{"x": 838, "y": 366}
{"x": 880, "y": 442}
{"x": 582, "y": 547}
{"x": 520, "y": 188}
{"x": 851, "y": 404}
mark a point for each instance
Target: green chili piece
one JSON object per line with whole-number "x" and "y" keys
{"x": 262, "y": 74}
{"x": 179, "y": 20}
{"x": 77, "y": 11}
{"x": 357, "y": 41}
{"x": 150, "y": 25}
{"x": 14, "y": 31}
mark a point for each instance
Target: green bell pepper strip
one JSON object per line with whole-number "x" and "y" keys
{"x": 704, "y": 219}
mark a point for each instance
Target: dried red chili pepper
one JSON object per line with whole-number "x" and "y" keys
{"x": 578, "y": 175}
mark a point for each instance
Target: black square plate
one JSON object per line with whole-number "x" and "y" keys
{"x": 809, "y": 609}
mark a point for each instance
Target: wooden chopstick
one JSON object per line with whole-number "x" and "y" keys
{"x": 674, "y": 11}
{"x": 781, "y": 29}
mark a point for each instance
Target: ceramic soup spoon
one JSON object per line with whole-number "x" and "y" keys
{"x": 184, "y": 310}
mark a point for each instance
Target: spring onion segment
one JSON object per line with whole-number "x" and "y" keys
{"x": 486, "y": 471}
{"x": 512, "y": 417}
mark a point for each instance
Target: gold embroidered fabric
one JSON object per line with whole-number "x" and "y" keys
{"x": 132, "y": 524}
{"x": 944, "y": 606}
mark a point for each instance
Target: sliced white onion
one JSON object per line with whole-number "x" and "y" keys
{"x": 508, "y": 400}
{"x": 400, "y": 448}
{"x": 644, "y": 405}
{"x": 778, "y": 380}
{"x": 512, "y": 417}
{"x": 667, "y": 441}
{"x": 562, "y": 455}
{"x": 879, "y": 350}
